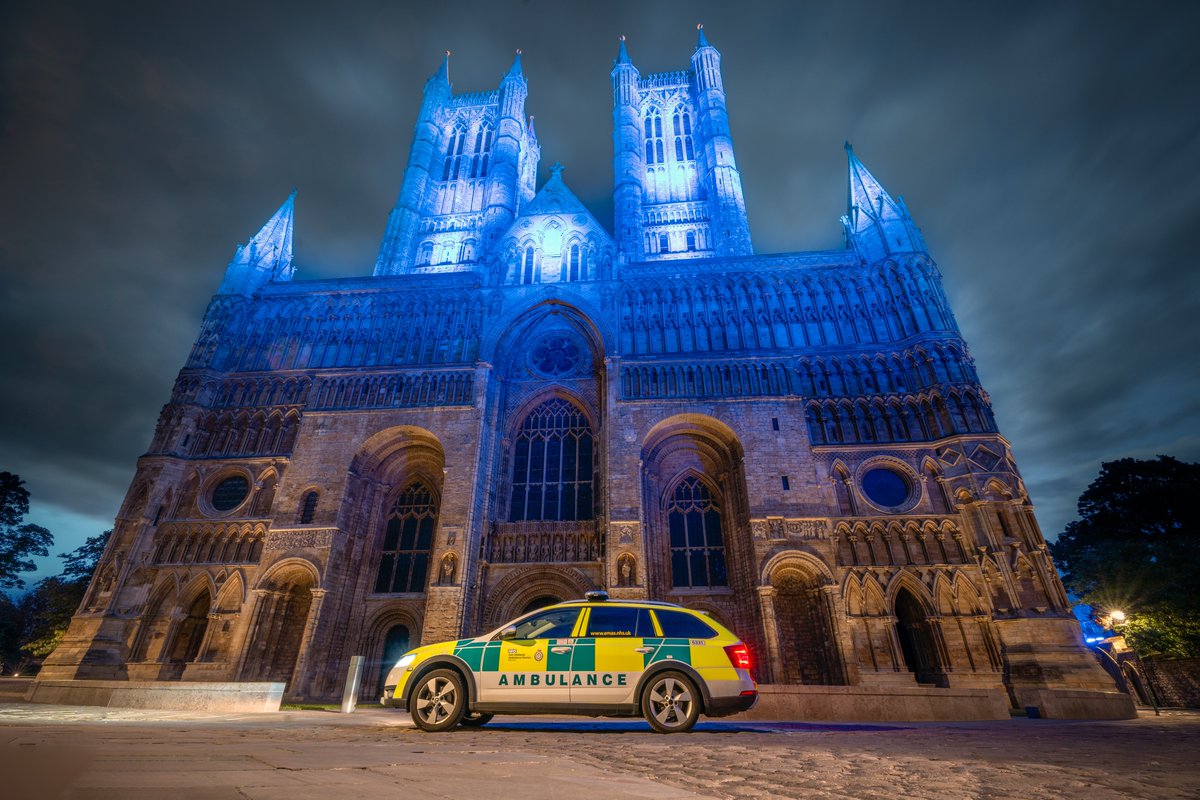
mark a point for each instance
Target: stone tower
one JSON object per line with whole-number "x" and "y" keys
{"x": 472, "y": 164}
{"x": 677, "y": 191}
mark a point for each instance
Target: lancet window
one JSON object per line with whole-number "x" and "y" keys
{"x": 654, "y": 137}
{"x": 697, "y": 544}
{"x": 552, "y": 465}
{"x": 482, "y": 150}
{"x": 407, "y": 540}
{"x": 574, "y": 272}
{"x": 527, "y": 270}
{"x": 454, "y": 152}
{"x": 682, "y": 128}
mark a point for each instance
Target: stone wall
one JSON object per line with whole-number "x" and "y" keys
{"x": 1176, "y": 681}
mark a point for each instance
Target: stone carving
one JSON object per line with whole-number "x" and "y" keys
{"x": 288, "y": 540}
{"x": 449, "y": 570}
{"x": 626, "y": 570}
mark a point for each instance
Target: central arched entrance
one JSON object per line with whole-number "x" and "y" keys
{"x": 541, "y": 602}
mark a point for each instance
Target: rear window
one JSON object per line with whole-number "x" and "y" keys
{"x": 678, "y": 625}
{"x": 618, "y": 621}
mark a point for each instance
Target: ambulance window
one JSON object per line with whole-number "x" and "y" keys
{"x": 556, "y": 624}
{"x": 618, "y": 621}
{"x": 678, "y": 625}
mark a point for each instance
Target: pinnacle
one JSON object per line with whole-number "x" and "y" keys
{"x": 515, "y": 70}
{"x": 701, "y": 40}
{"x": 623, "y": 54}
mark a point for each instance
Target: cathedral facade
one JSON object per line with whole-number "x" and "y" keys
{"x": 521, "y": 405}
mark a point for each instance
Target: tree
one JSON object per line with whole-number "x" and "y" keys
{"x": 1134, "y": 549}
{"x": 50, "y": 604}
{"x": 19, "y": 541}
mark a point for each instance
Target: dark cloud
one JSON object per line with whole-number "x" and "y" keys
{"x": 1050, "y": 152}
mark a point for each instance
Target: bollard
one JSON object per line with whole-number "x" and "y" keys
{"x": 353, "y": 679}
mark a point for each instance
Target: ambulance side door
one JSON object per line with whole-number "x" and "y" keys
{"x": 534, "y": 666}
{"x": 611, "y": 655}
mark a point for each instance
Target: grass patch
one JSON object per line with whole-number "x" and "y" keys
{"x": 310, "y": 707}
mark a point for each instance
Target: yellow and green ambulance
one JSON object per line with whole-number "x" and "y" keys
{"x": 596, "y": 657}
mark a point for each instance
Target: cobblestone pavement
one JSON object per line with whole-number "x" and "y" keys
{"x": 87, "y": 753}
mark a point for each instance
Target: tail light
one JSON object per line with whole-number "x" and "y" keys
{"x": 739, "y": 656}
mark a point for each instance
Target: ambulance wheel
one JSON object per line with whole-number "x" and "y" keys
{"x": 476, "y": 719}
{"x": 439, "y": 701}
{"x": 671, "y": 703}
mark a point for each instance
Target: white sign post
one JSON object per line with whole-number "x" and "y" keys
{"x": 353, "y": 681}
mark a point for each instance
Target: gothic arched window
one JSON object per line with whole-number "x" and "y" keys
{"x": 426, "y": 254}
{"x": 454, "y": 152}
{"x": 552, "y": 465}
{"x": 697, "y": 544}
{"x": 308, "y": 508}
{"x": 691, "y": 240}
{"x": 654, "y": 142}
{"x": 407, "y": 540}
{"x": 527, "y": 270}
{"x": 573, "y": 274}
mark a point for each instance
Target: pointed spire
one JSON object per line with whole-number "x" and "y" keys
{"x": 515, "y": 70}
{"x": 864, "y": 191}
{"x": 622, "y": 53}
{"x": 529, "y": 127}
{"x": 268, "y": 254}
{"x": 875, "y": 223}
{"x": 701, "y": 40}
{"x": 443, "y": 72}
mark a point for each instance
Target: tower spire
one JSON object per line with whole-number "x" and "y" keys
{"x": 515, "y": 70}
{"x": 266, "y": 257}
{"x": 701, "y": 39}
{"x": 443, "y": 72}
{"x": 622, "y": 53}
{"x": 875, "y": 224}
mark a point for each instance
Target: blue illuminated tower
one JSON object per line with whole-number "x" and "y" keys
{"x": 473, "y": 161}
{"x": 672, "y": 142}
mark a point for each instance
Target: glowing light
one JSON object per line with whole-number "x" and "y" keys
{"x": 1117, "y": 616}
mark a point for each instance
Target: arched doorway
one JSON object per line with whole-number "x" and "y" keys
{"x": 281, "y": 620}
{"x": 185, "y": 645}
{"x": 917, "y": 642}
{"x": 807, "y": 644}
{"x": 190, "y": 635}
{"x": 395, "y": 644}
{"x": 540, "y": 602}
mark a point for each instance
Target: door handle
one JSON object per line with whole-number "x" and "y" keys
{"x": 560, "y": 650}
{"x": 643, "y": 650}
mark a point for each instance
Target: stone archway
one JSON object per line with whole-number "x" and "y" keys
{"x": 522, "y": 590}
{"x": 189, "y": 635}
{"x": 280, "y": 626}
{"x": 918, "y": 639}
{"x": 805, "y": 631}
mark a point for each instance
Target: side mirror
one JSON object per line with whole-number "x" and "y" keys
{"x": 509, "y": 633}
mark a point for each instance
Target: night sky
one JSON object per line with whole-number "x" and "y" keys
{"x": 1050, "y": 152}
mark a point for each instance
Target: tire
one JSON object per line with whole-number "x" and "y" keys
{"x": 671, "y": 702}
{"x": 475, "y": 719}
{"x": 438, "y": 701}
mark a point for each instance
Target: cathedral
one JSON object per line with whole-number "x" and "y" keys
{"x": 520, "y": 405}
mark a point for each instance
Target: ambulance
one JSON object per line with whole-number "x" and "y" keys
{"x": 595, "y": 657}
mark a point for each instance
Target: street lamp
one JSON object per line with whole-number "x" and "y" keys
{"x": 1117, "y": 617}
